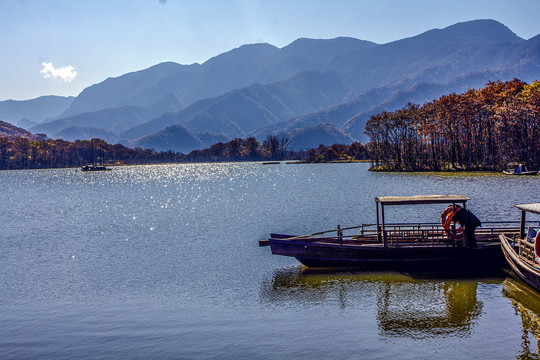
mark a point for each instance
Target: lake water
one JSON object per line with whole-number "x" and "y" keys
{"x": 163, "y": 262}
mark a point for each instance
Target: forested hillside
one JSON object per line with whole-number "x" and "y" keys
{"x": 477, "y": 130}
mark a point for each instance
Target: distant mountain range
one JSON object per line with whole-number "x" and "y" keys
{"x": 33, "y": 111}
{"x": 311, "y": 91}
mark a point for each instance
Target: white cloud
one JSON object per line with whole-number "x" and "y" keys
{"x": 65, "y": 73}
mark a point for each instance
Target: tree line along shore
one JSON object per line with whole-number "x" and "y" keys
{"x": 478, "y": 130}
{"x": 481, "y": 129}
{"x": 42, "y": 152}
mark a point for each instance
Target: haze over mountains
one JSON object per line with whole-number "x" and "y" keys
{"x": 311, "y": 91}
{"x": 34, "y": 111}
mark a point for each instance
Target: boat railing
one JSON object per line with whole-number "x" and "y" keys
{"x": 425, "y": 234}
{"x": 409, "y": 234}
{"x": 527, "y": 253}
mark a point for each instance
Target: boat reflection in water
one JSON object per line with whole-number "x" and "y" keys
{"x": 526, "y": 303}
{"x": 406, "y": 305}
{"x": 420, "y": 309}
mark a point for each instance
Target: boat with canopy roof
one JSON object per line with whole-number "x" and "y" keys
{"x": 454, "y": 242}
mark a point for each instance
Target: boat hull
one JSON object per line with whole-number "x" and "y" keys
{"x": 524, "y": 270}
{"x": 376, "y": 256}
{"x": 508, "y": 172}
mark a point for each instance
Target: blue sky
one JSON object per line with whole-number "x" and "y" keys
{"x": 59, "y": 47}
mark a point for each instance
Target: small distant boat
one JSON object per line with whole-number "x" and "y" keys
{"x": 522, "y": 250}
{"x": 94, "y": 166}
{"x": 518, "y": 169}
{"x": 402, "y": 245}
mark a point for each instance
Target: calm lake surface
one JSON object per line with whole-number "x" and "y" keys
{"x": 163, "y": 262}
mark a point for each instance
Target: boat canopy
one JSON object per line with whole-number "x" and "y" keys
{"x": 533, "y": 208}
{"x": 411, "y": 200}
{"x": 421, "y": 199}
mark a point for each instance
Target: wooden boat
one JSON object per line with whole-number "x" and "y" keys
{"x": 403, "y": 245}
{"x": 522, "y": 250}
{"x": 518, "y": 169}
{"x": 94, "y": 166}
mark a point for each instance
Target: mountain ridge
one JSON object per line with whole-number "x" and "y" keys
{"x": 340, "y": 81}
{"x": 36, "y": 110}
{"x": 233, "y": 69}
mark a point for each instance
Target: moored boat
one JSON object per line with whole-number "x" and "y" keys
{"x": 401, "y": 245}
{"x": 518, "y": 169}
{"x": 94, "y": 166}
{"x": 522, "y": 249}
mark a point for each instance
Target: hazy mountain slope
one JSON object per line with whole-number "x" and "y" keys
{"x": 37, "y": 109}
{"x": 309, "y": 55}
{"x": 178, "y": 139}
{"x": 167, "y": 119}
{"x": 313, "y": 136}
{"x": 438, "y": 54}
{"x": 337, "y": 114}
{"x": 26, "y": 123}
{"x": 73, "y": 133}
{"x": 209, "y": 139}
{"x": 175, "y": 138}
{"x": 114, "y": 120}
{"x": 486, "y": 29}
{"x": 241, "y": 111}
{"x": 123, "y": 90}
{"x": 234, "y": 69}
{"x": 10, "y": 130}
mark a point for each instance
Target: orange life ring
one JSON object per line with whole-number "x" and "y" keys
{"x": 446, "y": 219}
{"x": 445, "y": 214}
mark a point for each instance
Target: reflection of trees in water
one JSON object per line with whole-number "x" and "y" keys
{"x": 526, "y": 304}
{"x": 405, "y": 306}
